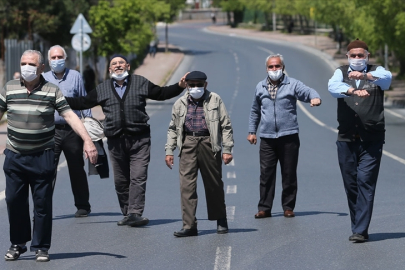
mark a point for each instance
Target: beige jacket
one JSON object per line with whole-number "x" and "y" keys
{"x": 216, "y": 117}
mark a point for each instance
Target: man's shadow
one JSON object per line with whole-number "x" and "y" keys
{"x": 375, "y": 237}
{"x": 312, "y": 213}
{"x": 59, "y": 256}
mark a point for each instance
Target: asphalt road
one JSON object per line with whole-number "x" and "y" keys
{"x": 317, "y": 238}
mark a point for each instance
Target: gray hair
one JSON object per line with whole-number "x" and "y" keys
{"x": 54, "y": 47}
{"x": 38, "y": 53}
{"x": 275, "y": 56}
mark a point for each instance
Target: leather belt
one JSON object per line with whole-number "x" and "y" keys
{"x": 197, "y": 134}
{"x": 62, "y": 126}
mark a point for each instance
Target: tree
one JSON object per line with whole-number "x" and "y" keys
{"x": 237, "y": 7}
{"x": 174, "y": 7}
{"x": 124, "y": 26}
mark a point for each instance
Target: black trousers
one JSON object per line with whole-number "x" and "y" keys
{"x": 71, "y": 144}
{"x": 197, "y": 154}
{"x": 22, "y": 172}
{"x": 360, "y": 164}
{"x": 130, "y": 156}
{"x": 285, "y": 150}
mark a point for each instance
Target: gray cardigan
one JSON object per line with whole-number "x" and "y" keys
{"x": 278, "y": 117}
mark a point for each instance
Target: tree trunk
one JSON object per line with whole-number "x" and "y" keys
{"x": 167, "y": 37}
{"x": 301, "y": 24}
{"x": 401, "y": 59}
{"x": 266, "y": 21}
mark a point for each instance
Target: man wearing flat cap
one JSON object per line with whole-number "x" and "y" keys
{"x": 359, "y": 88}
{"x": 200, "y": 128}
{"x": 123, "y": 100}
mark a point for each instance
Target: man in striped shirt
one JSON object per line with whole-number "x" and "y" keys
{"x": 30, "y": 104}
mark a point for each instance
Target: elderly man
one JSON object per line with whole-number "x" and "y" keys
{"x": 200, "y": 126}
{"x": 359, "y": 88}
{"x": 123, "y": 100}
{"x": 275, "y": 107}
{"x": 30, "y": 160}
{"x": 71, "y": 84}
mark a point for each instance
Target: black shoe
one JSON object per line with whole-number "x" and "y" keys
{"x": 14, "y": 252}
{"x": 222, "y": 226}
{"x": 358, "y": 238}
{"x": 123, "y": 221}
{"x": 82, "y": 213}
{"x": 42, "y": 256}
{"x": 186, "y": 233}
{"x": 135, "y": 220}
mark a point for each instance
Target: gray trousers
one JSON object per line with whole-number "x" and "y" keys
{"x": 130, "y": 156}
{"x": 197, "y": 154}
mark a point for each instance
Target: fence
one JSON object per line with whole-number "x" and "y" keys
{"x": 12, "y": 55}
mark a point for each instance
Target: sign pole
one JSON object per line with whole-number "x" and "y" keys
{"x": 81, "y": 46}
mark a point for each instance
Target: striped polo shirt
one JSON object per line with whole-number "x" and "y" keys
{"x": 30, "y": 117}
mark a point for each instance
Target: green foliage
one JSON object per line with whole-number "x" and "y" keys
{"x": 125, "y": 26}
{"x": 232, "y": 5}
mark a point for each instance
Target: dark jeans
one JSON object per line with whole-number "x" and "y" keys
{"x": 197, "y": 154}
{"x": 71, "y": 144}
{"x": 359, "y": 164}
{"x": 284, "y": 149}
{"x": 22, "y": 172}
{"x": 130, "y": 156}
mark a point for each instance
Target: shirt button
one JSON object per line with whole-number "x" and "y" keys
{"x": 357, "y": 103}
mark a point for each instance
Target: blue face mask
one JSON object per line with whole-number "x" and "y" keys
{"x": 58, "y": 66}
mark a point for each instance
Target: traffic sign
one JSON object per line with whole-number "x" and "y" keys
{"x": 77, "y": 42}
{"x": 80, "y": 25}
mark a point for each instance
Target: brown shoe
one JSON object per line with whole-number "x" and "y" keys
{"x": 262, "y": 214}
{"x": 289, "y": 213}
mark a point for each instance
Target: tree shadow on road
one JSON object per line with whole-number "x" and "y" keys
{"x": 312, "y": 213}
{"x": 385, "y": 236}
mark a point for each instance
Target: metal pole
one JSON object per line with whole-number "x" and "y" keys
{"x": 81, "y": 47}
{"x": 316, "y": 43}
{"x": 386, "y": 56}
{"x": 274, "y": 18}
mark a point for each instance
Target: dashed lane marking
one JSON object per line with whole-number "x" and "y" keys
{"x": 223, "y": 258}
{"x": 231, "y": 189}
{"x": 230, "y": 175}
{"x": 230, "y": 213}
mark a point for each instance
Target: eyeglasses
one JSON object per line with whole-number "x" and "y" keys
{"x": 274, "y": 66}
{"x": 359, "y": 55}
{"x": 196, "y": 84}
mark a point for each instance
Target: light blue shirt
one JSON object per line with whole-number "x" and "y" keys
{"x": 71, "y": 85}
{"x": 336, "y": 86}
{"x": 120, "y": 89}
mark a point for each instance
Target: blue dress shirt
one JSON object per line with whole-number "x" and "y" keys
{"x": 71, "y": 85}
{"x": 336, "y": 86}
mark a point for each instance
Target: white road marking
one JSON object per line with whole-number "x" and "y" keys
{"x": 394, "y": 113}
{"x": 62, "y": 165}
{"x": 230, "y": 213}
{"x": 231, "y": 189}
{"x": 2, "y": 195}
{"x": 266, "y": 50}
{"x": 232, "y": 163}
{"x": 230, "y": 175}
{"x": 223, "y": 258}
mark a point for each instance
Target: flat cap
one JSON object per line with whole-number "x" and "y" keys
{"x": 357, "y": 44}
{"x": 196, "y": 76}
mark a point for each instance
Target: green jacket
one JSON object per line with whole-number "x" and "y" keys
{"x": 216, "y": 117}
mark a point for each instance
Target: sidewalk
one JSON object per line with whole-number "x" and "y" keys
{"x": 157, "y": 69}
{"x": 394, "y": 98}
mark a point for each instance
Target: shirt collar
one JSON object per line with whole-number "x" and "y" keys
{"x": 63, "y": 77}
{"x": 124, "y": 84}
{"x": 350, "y": 69}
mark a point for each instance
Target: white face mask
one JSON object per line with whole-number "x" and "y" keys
{"x": 119, "y": 77}
{"x": 358, "y": 64}
{"x": 196, "y": 92}
{"x": 275, "y": 75}
{"x": 58, "y": 65}
{"x": 29, "y": 73}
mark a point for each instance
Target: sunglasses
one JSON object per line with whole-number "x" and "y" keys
{"x": 276, "y": 66}
{"x": 359, "y": 55}
{"x": 196, "y": 84}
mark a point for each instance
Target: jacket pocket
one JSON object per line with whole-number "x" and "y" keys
{"x": 212, "y": 112}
